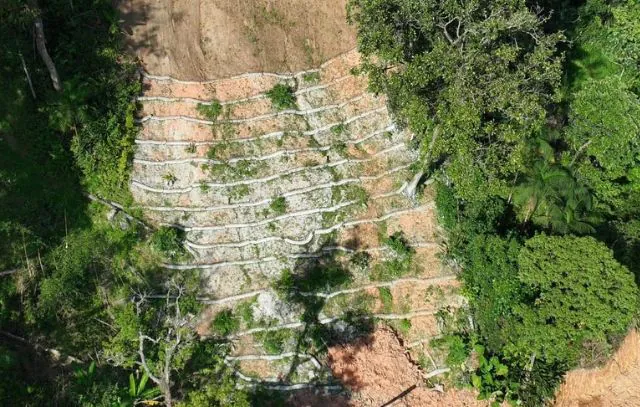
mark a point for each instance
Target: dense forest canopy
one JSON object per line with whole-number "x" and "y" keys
{"x": 526, "y": 113}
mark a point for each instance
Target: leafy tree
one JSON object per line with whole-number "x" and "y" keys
{"x": 577, "y": 297}
{"x": 472, "y": 79}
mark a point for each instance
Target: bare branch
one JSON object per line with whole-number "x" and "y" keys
{"x": 26, "y": 72}
{"x": 42, "y": 49}
{"x": 143, "y": 360}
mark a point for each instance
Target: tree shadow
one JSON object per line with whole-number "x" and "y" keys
{"x": 132, "y": 16}
{"x": 306, "y": 286}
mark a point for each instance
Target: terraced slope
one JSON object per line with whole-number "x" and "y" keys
{"x": 259, "y": 190}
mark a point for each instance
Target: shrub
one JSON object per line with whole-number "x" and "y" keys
{"x": 360, "y": 260}
{"x": 311, "y": 77}
{"x": 278, "y": 205}
{"x": 275, "y": 341}
{"x": 447, "y": 206}
{"x": 169, "y": 241}
{"x": 282, "y": 97}
{"x": 225, "y": 323}
{"x": 210, "y": 111}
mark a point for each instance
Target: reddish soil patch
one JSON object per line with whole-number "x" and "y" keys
{"x": 378, "y": 369}
{"x": 615, "y": 384}
{"x": 206, "y": 39}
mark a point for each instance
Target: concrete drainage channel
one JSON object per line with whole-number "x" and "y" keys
{"x": 269, "y": 198}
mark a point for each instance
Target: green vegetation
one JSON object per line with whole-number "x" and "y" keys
{"x": 274, "y": 341}
{"x": 85, "y": 279}
{"x": 311, "y": 77}
{"x": 278, "y": 205}
{"x": 527, "y": 119}
{"x": 225, "y": 323}
{"x": 169, "y": 242}
{"x": 210, "y": 111}
{"x": 400, "y": 261}
{"x": 282, "y": 97}
{"x": 238, "y": 192}
{"x": 386, "y": 298}
{"x": 338, "y": 129}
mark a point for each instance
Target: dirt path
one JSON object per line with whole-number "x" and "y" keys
{"x": 207, "y": 39}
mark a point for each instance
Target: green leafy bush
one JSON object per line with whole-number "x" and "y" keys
{"x": 169, "y": 241}
{"x": 278, "y": 205}
{"x": 282, "y": 97}
{"x": 211, "y": 111}
{"x": 225, "y": 323}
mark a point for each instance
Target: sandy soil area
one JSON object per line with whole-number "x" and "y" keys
{"x": 615, "y": 384}
{"x": 207, "y": 39}
{"x": 378, "y": 369}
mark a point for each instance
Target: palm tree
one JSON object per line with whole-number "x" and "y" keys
{"x": 552, "y": 198}
{"x": 539, "y": 189}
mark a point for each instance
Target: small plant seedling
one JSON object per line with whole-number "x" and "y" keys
{"x": 282, "y": 97}
{"x": 204, "y": 187}
{"x": 278, "y": 205}
{"x": 170, "y": 178}
{"x": 191, "y": 148}
{"x": 338, "y": 129}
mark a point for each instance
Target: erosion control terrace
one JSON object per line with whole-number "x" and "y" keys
{"x": 267, "y": 194}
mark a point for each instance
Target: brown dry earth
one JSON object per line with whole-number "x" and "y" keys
{"x": 208, "y": 39}
{"x": 617, "y": 384}
{"x": 378, "y": 369}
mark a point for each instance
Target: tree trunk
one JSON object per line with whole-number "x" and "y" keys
{"x": 166, "y": 392}
{"x": 41, "y": 44}
{"x": 410, "y": 190}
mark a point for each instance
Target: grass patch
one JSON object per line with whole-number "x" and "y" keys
{"x": 238, "y": 192}
{"x": 401, "y": 261}
{"x": 210, "y": 111}
{"x": 225, "y": 323}
{"x": 404, "y": 326}
{"x": 311, "y": 77}
{"x": 338, "y": 129}
{"x": 278, "y": 205}
{"x": 282, "y": 97}
{"x": 245, "y": 310}
{"x": 274, "y": 341}
{"x": 386, "y": 298}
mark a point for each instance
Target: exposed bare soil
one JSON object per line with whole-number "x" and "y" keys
{"x": 377, "y": 369}
{"x": 206, "y": 39}
{"x": 615, "y": 384}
